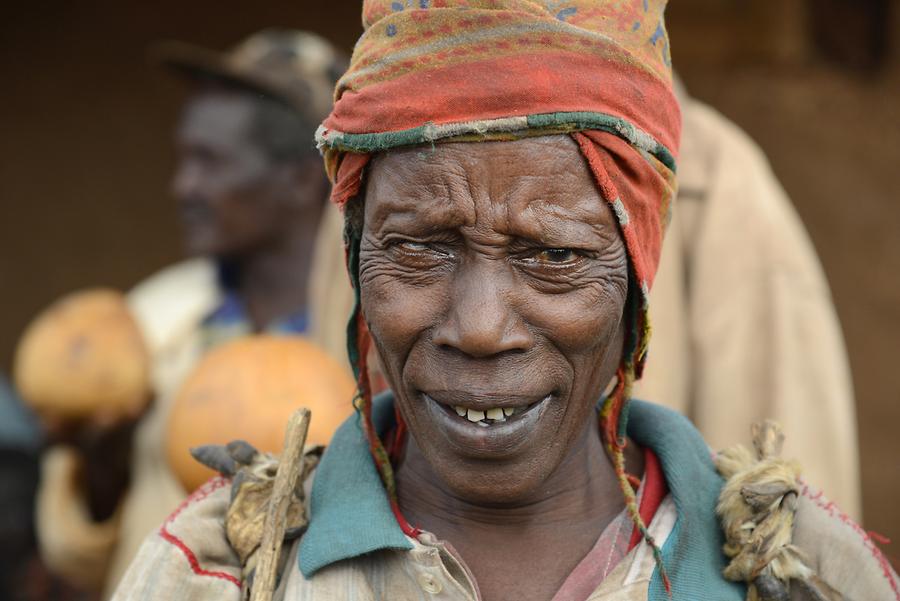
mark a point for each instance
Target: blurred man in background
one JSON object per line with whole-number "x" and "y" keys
{"x": 252, "y": 198}
{"x": 744, "y": 328}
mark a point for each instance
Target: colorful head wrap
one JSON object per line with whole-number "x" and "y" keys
{"x": 435, "y": 71}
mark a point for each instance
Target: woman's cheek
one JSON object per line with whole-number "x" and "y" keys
{"x": 398, "y": 312}
{"x": 579, "y": 320}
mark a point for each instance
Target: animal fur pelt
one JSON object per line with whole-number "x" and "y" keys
{"x": 253, "y": 476}
{"x": 756, "y": 508}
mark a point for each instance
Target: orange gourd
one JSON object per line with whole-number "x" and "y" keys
{"x": 247, "y": 389}
{"x": 82, "y": 357}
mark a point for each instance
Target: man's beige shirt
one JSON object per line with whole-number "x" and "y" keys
{"x": 744, "y": 327}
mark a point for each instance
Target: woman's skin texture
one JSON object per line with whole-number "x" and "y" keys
{"x": 494, "y": 279}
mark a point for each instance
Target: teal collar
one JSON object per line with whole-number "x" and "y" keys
{"x": 692, "y": 553}
{"x": 350, "y": 514}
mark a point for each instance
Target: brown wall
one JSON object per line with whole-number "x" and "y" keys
{"x": 86, "y": 125}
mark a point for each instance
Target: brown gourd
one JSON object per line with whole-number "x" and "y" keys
{"x": 82, "y": 357}
{"x": 247, "y": 389}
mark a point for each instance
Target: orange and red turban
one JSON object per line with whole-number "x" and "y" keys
{"x": 428, "y": 71}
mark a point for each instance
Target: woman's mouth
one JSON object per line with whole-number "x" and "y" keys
{"x": 488, "y": 416}
{"x": 486, "y": 427}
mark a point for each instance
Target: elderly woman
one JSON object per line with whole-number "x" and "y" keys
{"x": 506, "y": 169}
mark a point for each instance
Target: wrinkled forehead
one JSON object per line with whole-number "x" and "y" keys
{"x": 526, "y": 187}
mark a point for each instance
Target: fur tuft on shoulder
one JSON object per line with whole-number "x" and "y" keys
{"x": 757, "y": 507}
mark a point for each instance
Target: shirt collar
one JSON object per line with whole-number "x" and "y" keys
{"x": 350, "y": 514}
{"x": 695, "y": 545}
{"x": 349, "y": 509}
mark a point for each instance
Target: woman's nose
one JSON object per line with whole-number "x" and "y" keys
{"x": 481, "y": 319}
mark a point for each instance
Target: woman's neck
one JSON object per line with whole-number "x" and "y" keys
{"x": 533, "y": 544}
{"x": 580, "y": 486}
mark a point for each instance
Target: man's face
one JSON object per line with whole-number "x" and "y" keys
{"x": 231, "y": 195}
{"x": 493, "y": 279}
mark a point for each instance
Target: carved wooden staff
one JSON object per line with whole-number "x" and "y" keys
{"x": 289, "y": 467}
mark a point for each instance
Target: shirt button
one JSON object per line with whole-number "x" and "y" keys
{"x": 429, "y": 584}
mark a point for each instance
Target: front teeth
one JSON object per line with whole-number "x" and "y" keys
{"x": 484, "y": 418}
{"x": 495, "y": 413}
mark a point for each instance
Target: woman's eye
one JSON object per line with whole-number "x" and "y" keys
{"x": 555, "y": 255}
{"x": 417, "y": 254}
{"x": 410, "y": 247}
{"x": 413, "y": 247}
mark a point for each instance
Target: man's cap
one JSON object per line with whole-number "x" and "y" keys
{"x": 296, "y": 67}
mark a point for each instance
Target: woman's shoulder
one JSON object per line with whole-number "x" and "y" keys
{"x": 781, "y": 534}
{"x": 208, "y": 547}
{"x": 189, "y": 556}
{"x": 843, "y": 554}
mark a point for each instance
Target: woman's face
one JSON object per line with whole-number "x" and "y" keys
{"x": 493, "y": 280}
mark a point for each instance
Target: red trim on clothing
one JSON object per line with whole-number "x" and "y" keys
{"x": 198, "y": 495}
{"x": 192, "y": 559}
{"x": 655, "y": 490}
{"x": 201, "y": 493}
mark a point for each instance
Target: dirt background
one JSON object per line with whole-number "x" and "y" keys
{"x": 86, "y": 125}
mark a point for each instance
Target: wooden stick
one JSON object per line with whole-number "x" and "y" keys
{"x": 289, "y": 467}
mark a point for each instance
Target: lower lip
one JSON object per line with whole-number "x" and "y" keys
{"x": 493, "y": 442}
